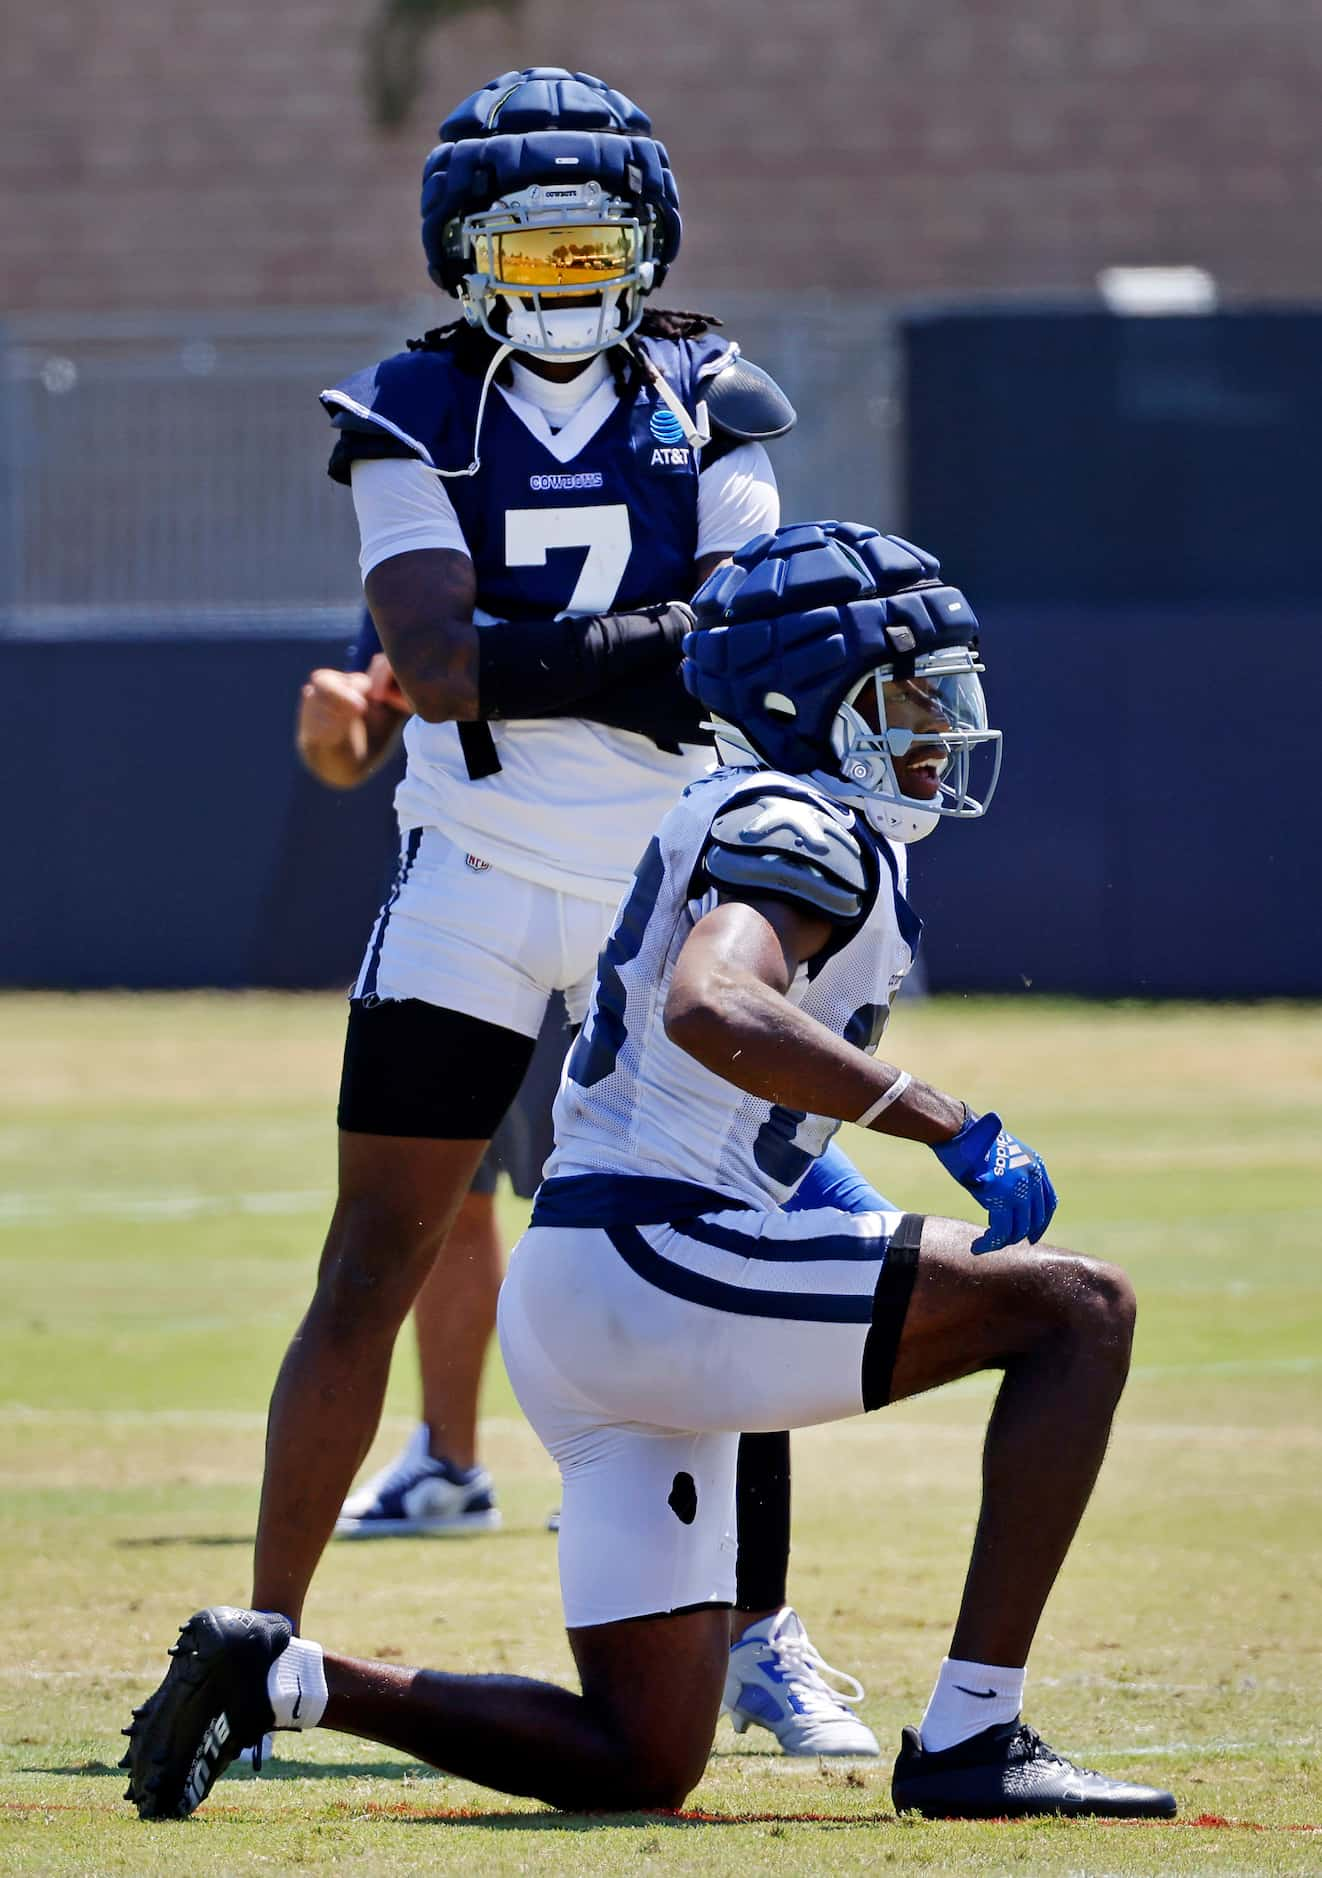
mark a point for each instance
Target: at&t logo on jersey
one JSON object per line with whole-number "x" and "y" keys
{"x": 670, "y": 451}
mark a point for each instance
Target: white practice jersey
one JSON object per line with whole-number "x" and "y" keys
{"x": 568, "y": 808}
{"x": 631, "y": 1102}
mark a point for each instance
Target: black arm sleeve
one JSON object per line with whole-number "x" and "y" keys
{"x": 660, "y": 709}
{"x": 542, "y": 668}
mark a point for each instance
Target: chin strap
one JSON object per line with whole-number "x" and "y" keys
{"x": 498, "y": 358}
{"x": 899, "y": 824}
{"x": 697, "y": 431}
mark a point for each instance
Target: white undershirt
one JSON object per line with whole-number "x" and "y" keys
{"x": 401, "y": 506}
{"x": 559, "y": 398}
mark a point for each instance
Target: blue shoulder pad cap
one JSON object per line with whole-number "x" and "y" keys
{"x": 789, "y": 848}
{"x": 745, "y": 402}
{"x": 375, "y": 401}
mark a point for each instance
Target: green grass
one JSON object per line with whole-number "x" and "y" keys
{"x": 165, "y": 1170}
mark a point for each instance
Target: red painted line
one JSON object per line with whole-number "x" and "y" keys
{"x": 692, "y": 1816}
{"x": 478, "y": 1816}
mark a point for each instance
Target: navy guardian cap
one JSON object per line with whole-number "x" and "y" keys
{"x": 548, "y": 186}
{"x": 829, "y": 649}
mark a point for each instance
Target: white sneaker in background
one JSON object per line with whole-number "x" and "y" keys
{"x": 418, "y": 1495}
{"x": 776, "y": 1680}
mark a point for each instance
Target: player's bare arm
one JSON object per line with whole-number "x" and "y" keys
{"x": 727, "y": 1008}
{"x": 705, "y": 566}
{"x": 422, "y": 607}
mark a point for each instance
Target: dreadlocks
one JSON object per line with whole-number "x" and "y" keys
{"x": 472, "y": 349}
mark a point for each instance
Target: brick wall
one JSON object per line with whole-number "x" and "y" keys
{"x": 156, "y": 153}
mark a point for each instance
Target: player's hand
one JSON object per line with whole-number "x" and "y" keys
{"x": 1005, "y": 1176}
{"x": 332, "y": 708}
{"x": 383, "y": 686}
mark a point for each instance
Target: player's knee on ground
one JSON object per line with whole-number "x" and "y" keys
{"x": 655, "y": 1776}
{"x": 654, "y": 1692}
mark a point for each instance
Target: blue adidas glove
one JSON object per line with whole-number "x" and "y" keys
{"x": 1005, "y": 1177}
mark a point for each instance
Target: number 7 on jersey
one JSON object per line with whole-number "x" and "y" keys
{"x": 603, "y": 530}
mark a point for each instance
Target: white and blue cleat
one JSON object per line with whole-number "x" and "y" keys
{"x": 417, "y": 1496}
{"x": 777, "y": 1681}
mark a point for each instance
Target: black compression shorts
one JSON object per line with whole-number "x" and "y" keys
{"x": 416, "y": 1069}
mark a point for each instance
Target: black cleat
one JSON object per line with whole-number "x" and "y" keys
{"x": 211, "y": 1705}
{"x": 1010, "y": 1773}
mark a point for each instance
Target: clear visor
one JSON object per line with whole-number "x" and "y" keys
{"x": 923, "y": 741}
{"x": 582, "y": 256}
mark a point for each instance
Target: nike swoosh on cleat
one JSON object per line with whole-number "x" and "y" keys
{"x": 979, "y": 1695}
{"x": 293, "y": 1713}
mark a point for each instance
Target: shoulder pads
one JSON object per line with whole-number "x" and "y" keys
{"x": 347, "y": 414}
{"x": 745, "y": 402}
{"x": 405, "y": 397}
{"x": 789, "y": 848}
{"x": 401, "y": 407}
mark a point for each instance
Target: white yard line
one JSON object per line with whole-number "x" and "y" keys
{"x": 57, "y": 1209}
{"x": 1192, "y": 1750}
{"x": 1158, "y": 1372}
{"x": 1233, "y": 1366}
{"x": 19, "y": 1412}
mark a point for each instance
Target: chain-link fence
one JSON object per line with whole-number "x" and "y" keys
{"x": 167, "y": 473}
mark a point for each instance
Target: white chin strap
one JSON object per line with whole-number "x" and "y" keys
{"x": 570, "y": 333}
{"x": 900, "y": 824}
{"x": 897, "y": 821}
{"x": 901, "y": 819}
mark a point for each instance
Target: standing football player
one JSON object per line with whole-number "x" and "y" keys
{"x": 538, "y": 487}
{"x": 348, "y": 724}
{"x": 664, "y": 1298}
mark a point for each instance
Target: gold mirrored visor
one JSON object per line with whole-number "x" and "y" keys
{"x": 586, "y": 255}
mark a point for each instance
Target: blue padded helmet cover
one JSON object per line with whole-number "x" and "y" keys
{"x": 542, "y": 125}
{"x": 786, "y": 628}
{"x": 543, "y": 97}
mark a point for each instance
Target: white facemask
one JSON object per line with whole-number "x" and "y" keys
{"x": 574, "y": 332}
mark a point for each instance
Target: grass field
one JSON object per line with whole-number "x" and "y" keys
{"x": 165, "y": 1172}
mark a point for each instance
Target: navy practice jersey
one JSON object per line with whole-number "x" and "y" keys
{"x": 599, "y": 516}
{"x": 527, "y": 566}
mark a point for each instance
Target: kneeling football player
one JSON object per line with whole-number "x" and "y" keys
{"x": 665, "y": 1297}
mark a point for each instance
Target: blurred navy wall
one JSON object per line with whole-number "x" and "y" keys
{"x": 1148, "y": 836}
{"x": 1132, "y": 506}
{"x": 158, "y": 829}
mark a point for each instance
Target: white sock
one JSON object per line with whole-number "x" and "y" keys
{"x": 967, "y": 1698}
{"x": 296, "y": 1685}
